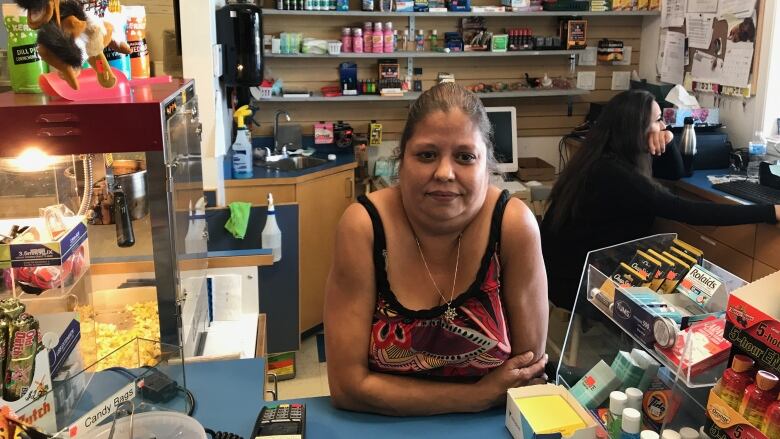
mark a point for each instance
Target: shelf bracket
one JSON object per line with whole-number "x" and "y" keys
{"x": 410, "y": 60}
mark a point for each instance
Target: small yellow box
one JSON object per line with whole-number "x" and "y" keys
{"x": 529, "y": 410}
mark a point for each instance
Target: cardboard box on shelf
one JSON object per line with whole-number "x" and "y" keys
{"x": 530, "y": 421}
{"x": 42, "y": 264}
{"x": 753, "y": 328}
{"x": 534, "y": 168}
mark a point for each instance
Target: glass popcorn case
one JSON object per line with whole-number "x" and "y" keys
{"x": 102, "y": 235}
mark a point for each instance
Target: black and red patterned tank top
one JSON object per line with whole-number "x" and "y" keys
{"x": 421, "y": 342}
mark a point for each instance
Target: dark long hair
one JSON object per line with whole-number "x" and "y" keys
{"x": 620, "y": 134}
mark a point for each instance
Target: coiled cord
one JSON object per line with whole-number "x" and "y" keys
{"x": 222, "y": 434}
{"x": 86, "y": 199}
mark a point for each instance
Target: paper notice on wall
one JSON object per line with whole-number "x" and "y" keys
{"x": 698, "y": 28}
{"x": 706, "y": 68}
{"x": 702, "y": 6}
{"x": 737, "y": 8}
{"x": 672, "y": 63}
{"x": 586, "y": 80}
{"x": 737, "y": 64}
{"x": 660, "y": 58}
{"x": 588, "y": 56}
{"x": 626, "y": 61}
{"x": 673, "y": 13}
{"x": 621, "y": 80}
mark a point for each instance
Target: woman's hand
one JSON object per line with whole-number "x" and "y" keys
{"x": 657, "y": 141}
{"x": 515, "y": 372}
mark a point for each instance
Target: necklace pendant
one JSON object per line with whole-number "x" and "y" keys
{"x": 449, "y": 314}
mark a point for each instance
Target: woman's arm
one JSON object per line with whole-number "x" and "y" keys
{"x": 637, "y": 193}
{"x": 349, "y": 307}
{"x": 524, "y": 280}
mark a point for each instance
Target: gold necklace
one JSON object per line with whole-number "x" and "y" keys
{"x": 450, "y": 313}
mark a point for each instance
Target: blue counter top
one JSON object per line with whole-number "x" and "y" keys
{"x": 263, "y": 172}
{"x": 229, "y": 398}
{"x": 699, "y": 180}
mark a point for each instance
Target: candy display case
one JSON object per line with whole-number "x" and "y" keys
{"x": 126, "y": 172}
{"x": 89, "y": 398}
{"x": 624, "y": 334}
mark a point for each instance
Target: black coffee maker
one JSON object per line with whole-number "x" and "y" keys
{"x": 240, "y": 32}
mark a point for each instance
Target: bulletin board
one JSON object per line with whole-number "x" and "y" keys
{"x": 722, "y": 48}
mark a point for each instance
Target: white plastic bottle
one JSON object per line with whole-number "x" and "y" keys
{"x": 242, "y": 147}
{"x": 272, "y": 236}
{"x": 757, "y": 152}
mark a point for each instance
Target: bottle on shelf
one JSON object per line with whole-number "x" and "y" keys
{"x": 434, "y": 40}
{"x": 689, "y": 433}
{"x": 757, "y": 154}
{"x": 405, "y": 40}
{"x": 417, "y": 81}
{"x": 772, "y": 420}
{"x": 634, "y": 399}
{"x": 368, "y": 37}
{"x": 346, "y": 39}
{"x": 631, "y": 424}
{"x": 395, "y": 40}
{"x": 419, "y": 41}
{"x": 648, "y": 434}
{"x": 670, "y": 434}
{"x": 387, "y": 46}
{"x": 736, "y": 379}
{"x": 617, "y": 402}
{"x": 378, "y": 38}
{"x": 757, "y": 398}
{"x": 368, "y": 5}
{"x": 357, "y": 40}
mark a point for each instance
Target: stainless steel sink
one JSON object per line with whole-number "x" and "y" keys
{"x": 295, "y": 163}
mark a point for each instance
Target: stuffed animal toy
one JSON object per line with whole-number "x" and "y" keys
{"x": 67, "y": 36}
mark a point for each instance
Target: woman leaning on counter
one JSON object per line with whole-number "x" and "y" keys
{"x": 607, "y": 195}
{"x": 437, "y": 300}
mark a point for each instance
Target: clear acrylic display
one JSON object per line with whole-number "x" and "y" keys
{"x": 86, "y": 398}
{"x": 595, "y": 334}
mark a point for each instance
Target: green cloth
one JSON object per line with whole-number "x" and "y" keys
{"x": 239, "y": 218}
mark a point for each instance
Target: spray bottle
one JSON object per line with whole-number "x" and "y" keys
{"x": 242, "y": 147}
{"x": 271, "y": 235}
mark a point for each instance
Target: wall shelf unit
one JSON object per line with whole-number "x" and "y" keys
{"x": 486, "y": 54}
{"x": 464, "y": 14}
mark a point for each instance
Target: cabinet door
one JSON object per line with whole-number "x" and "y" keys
{"x": 768, "y": 245}
{"x": 258, "y": 195}
{"x": 761, "y": 270}
{"x": 321, "y": 203}
{"x": 715, "y": 251}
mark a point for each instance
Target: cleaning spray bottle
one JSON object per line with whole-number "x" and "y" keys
{"x": 271, "y": 235}
{"x": 242, "y": 147}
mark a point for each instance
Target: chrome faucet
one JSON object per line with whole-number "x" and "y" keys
{"x": 276, "y": 127}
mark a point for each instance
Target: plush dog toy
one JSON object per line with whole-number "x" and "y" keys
{"x": 67, "y": 36}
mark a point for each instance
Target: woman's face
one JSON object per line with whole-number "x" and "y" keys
{"x": 444, "y": 173}
{"x": 656, "y": 120}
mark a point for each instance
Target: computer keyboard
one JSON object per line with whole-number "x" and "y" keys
{"x": 750, "y": 191}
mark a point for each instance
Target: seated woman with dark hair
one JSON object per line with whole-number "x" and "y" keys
{"x": 436, "y": 301}
{"x": 607, "y": 195}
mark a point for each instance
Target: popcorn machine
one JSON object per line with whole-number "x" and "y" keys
{"x": 102, "y": 212}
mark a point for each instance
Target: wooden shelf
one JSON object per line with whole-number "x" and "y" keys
{"x": 464, "y": 14}
{"x": 427, "y": 54}
{"x": 410, "y": 96}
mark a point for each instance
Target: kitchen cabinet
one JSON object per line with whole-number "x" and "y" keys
{"x": 321, "y": 203}
{"x": 321, "y": 196}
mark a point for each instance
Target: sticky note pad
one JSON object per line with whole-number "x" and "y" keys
{"x": 550, "y": 414}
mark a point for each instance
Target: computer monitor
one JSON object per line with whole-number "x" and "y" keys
{"x": 504, "y": 122}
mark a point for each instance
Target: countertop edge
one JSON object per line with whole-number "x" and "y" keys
{"x": 251, "y": 182}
